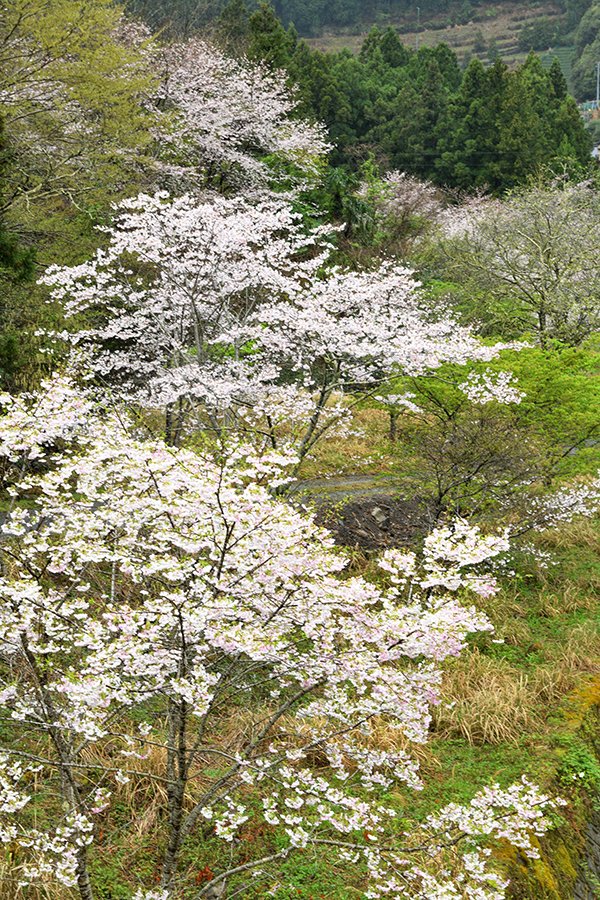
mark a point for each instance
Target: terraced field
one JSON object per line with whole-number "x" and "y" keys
{"x": 565, "y": 57}
{"x": 496, "y": 23}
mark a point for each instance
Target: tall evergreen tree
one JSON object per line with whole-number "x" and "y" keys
{"x": 468, "y": 133}
{"x": 558, "y": 80}
{"x": 522, "y": 139}
{"x": 268, "y": 40}
{"x": 233, "y": 26}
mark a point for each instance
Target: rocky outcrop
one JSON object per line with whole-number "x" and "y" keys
{"x": 365, "y": 512}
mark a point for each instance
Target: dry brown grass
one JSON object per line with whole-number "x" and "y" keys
{"x": 579, "y": 658}
{"x": 486, "y": 701}
{"x": 583, "y": 532}
{"x": 10, "y": 890}
{"x": 508, "y": 613}
{"x": 145, "y": 794}
{"x": 380, "y": 736}
{"x": 367, "y": 451}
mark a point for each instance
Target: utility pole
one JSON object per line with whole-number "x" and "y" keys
{"x": 419, "y": 28}
{"x": 598, "y": 85}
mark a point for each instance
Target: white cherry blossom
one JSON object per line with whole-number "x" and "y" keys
{"x": 142, "y": 572}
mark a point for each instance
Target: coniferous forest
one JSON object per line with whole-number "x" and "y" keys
{"x": 299, "y": 455}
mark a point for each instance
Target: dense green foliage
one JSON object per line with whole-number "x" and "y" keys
{"x": 539, "y": 34}
{"x": 15, "y": 261}
{"x": 73, "y": 137}
{"x": 417, "y": 111}
{"x": 576, "y": 25}
{"x": 463, "y": 455}
{"x": 587, "y": 48}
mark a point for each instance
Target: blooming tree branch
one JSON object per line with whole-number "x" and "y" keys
{"x": 145, "y": 573}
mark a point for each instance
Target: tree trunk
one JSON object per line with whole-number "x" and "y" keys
{"x": 69, "y": 787}
{"x": 83, "y": 876}
{"x": 169, "y": 424}
{"x": 307, "y": 440}
{"x": 542, "y": 327}
{"x": 177, "y": 771}
{"x": 393, "y": 425}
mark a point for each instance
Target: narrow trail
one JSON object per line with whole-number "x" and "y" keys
{"x": 343, "y": 487}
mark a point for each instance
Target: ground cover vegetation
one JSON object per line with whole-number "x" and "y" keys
{"x": 217, "y": 306}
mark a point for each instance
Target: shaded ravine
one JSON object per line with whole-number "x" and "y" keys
{"x": 588, "y": 884}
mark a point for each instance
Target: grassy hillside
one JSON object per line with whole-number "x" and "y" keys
{"x": 492, "y": 28}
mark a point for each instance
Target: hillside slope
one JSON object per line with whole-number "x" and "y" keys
{"x": 493, "y": 29}
{"x": 313, "y": 15}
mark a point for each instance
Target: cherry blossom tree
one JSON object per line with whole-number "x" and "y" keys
{"x": 149, "y": 579}
{"x": 177, "y": 276}
{"x": 354, "y": 329}
{"x": 87, "y": 97}
{"x": 533, "y": 259}
{"x": 563, "y": 505}
{"x": 231, "y": 304}
{"x": 224, "y": 115}
{"x": 461, "y": 219}
{"x": 402, "y": 201}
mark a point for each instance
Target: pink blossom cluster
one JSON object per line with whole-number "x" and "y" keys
{"x": 400, "y": 197}
{"x": 462, "y": 220}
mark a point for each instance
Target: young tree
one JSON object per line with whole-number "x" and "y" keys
{"x": 468, "y": 456}
{"x": 536, "y": 256}
{"x": 157, "y": 586}
{"x": 402, "y": 203}
{"x": 488, "y": 442}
